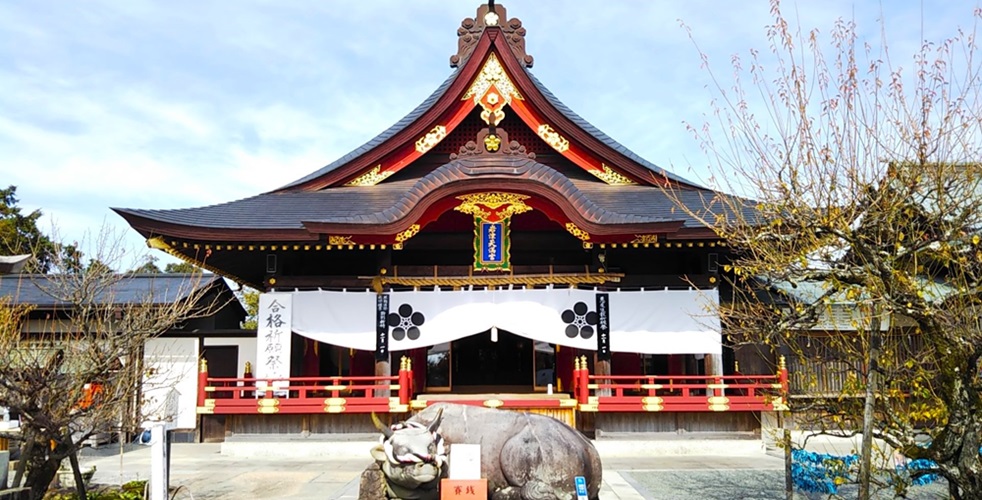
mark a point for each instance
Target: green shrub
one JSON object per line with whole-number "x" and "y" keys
{"x": 132, "y": 490}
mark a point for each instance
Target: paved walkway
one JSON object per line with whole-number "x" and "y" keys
{"x": 202, "y": 471}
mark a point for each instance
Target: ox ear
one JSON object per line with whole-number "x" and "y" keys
{"x": 435, "y": 424}
{"x": 378, "y": 453}
{"x": 385, "y": 429}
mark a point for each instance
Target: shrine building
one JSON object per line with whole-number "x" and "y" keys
{"x": 492, "y": 247}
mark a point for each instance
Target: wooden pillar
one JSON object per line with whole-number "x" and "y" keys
{"x": 202, "y": 381}
{"x": 383, "y": 369}
{"x": 713, "y": 365}
{"x": 602, "y": 367}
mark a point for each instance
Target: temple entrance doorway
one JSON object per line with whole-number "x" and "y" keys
{"x": 482, "y": 363}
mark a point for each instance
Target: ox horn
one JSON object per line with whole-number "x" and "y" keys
{"x": 385, "y": 429}
{"x": 435, "y": 424}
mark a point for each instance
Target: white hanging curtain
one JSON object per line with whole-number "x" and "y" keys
{"x": 651, "y": 322}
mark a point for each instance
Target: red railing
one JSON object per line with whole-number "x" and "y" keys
{"x": 341, "y": 394}
{"x": 628, "y": 393}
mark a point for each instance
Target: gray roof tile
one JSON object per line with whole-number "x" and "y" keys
{"x": 42, "y": 290}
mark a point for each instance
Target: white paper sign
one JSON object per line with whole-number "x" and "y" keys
{"x": 465, "y": 461}
{"x": 273, "y": 336}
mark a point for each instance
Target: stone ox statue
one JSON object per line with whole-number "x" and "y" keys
{"x": 523, "y": 456}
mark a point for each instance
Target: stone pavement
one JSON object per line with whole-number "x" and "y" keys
{"x": 275, "y": 469}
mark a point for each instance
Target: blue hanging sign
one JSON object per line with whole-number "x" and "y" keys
{"x": 491, "y": 245}
{"x": 492, "y": 242}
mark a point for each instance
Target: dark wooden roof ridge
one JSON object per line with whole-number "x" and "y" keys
{"x": 425, "y": 116}
{"x": 494, "y": 173}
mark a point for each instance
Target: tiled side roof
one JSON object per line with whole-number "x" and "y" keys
{"x": 385, "y": 135}
{"x": 40, "y": 289}
{"x": 282, "y": 210}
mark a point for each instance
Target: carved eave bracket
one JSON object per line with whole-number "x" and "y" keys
{"x": 471, "y": 29}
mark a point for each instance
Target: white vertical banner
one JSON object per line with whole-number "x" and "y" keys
{"x": 273, "y": 336}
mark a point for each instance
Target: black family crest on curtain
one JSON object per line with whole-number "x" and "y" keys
{"x": 603, "y": 326}
{"x": 406, "y": 323}
{"x": 382, "y": 327}
{"x": 579, "y": 321}
{"x": 492, "y": 232}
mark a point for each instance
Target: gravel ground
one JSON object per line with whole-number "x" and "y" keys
{"x": 743, "y": 485}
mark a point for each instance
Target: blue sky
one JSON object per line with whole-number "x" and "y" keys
{"x": 185, "y": 103}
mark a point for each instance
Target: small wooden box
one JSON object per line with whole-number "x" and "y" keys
{"x": 463, "y": 489}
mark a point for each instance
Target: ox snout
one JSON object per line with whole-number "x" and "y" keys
{"x": 423, "y": 472}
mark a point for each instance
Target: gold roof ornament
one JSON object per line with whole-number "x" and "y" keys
{"x": 553, "y": 139}
{"x": 576, "y": 231}
{"x": 484, "y": 204}
{"x": 370, "y": 178}
{"x": 492, "y": 90}
{"x": 611, "y": 177}
{"x": 432, "y": 138}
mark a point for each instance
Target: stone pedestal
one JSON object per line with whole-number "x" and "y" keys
{"x": 4, "y": 468}
{"x": 372, "y": 484}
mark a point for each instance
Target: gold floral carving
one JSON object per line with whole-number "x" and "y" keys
{"x": 483, "y": 204}
{"x": 645, "y": 239}
{"x": 492, "y": 90}
{"x": 611, "y": 177}
{"x": 432, "y": 138}
{"x": 552, "y": 138}
{"x": 370, "y": 178}
{"x": 575, "y": 231}
{"x": 339, "y": 240}
{"x": 492, "y": 143}
{"x": 408, "y": 233}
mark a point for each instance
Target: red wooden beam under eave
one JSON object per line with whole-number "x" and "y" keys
{"x": 405, "y": 155}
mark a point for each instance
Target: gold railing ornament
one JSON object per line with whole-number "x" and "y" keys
{"x": 409, "y": 363}
{"x": 782, "y": 363}
{"x": 583, "y": 358}
{"x": 203, "y": 365}
{"x": 576, "y": 363}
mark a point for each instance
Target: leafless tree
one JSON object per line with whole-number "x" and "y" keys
{"x": 77, "y": 370}
{"x": 859, "y": 178}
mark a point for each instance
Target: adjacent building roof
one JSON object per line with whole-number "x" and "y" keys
{"x": 13, "y": 263}
{"x": 43, "y": 290}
